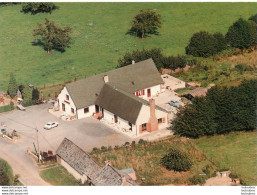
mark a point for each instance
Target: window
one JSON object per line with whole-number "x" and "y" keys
{"x": 160, "y": 120}
{"x": 67, "y": 97}
{"x": 72, "y": 110}
{"x": 86, "y": 110}
{"x": 144, "y": 126}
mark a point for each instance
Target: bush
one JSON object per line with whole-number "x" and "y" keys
{"x": 241, "y": 68}
{"x": 233, "y": 176}
{"x": 141, "y": 141}
{"x": 242, "y": 34}
{"x": 140, "y": 55}
{"x": 177, "y": 160}
{"x": 6, "y": 174}
{"x": 207, "y": 171}
{"x": 198, "y": 179}
{"x": 116, "y": 147}
{"x": 204, "y": 44}
{"x": 103, "y": 148}
{"x": 27, "y": 103}
{"x": 253, "y": 18}
{"x": 6, "y": 108}
{"x": 95, "y": 150}
{"x": 35, "y": 8}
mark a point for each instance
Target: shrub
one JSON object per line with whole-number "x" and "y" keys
{"x": 116, "y": 147}
{"x": 177, "y": 160}
{"x": 103, "y": 148}
{"x": 141, "y": 141}
{"x": 253, "y": 18}
{"x": 109, "y": 148}
{"x": 95, "y": 150}
{"x": 202, "y": 44}
{"x": 198, "y": 179}
{"x": 35, "y": 8}
{"x": 12, "y": 86}
{"x": 140, "y": 55}
{"x": 233, "y": 176}
{"x": 242, "y": 34}
{"x": 6, "y": 108}
{"x": 27, "y": 103}
{"x": 241, "y": 68}
{"x": 6, "y": 174}
{"x": 221, "y": 43}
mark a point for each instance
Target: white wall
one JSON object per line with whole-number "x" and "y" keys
{"x": 68, "y": 106}
{"x": 108, "y": 116}
{"x": 144, "y": 116}
{"x": 81, "y": 113}
{"x": 73, "y": 171}
{"x": 154, "y": 91}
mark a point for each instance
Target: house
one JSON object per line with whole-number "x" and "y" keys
{"x": 117, "y": 96}
{"x": 84, "y": 168}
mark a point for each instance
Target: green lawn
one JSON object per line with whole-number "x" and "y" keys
{"x": 58, "y": 176}
{"x": 236, "y": 151}
{"x": 96, "y": 48}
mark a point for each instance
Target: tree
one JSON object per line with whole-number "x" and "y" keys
{"x": 52, "y": 36}
{"x": 202, "y": 44}
{"x": 35, "y": 8}
{"x": 221, "y": 43}
{"x": 177, "y": 160}
{"x": 253, "y": 18}
{"x": 12, "y": 87}
{"x": 242, "y": 34}
{"x": 27, "y": 93}
{"x": 140, "y": 55}
{"x": 35, "y": 94}
{"x": 145, "y": 22}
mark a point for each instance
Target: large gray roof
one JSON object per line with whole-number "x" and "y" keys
{"x": 123, "y": 104}
{"x": 77, "y": 158}
{"x": 129, "y": 78}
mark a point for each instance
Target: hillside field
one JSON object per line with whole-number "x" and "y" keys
{"x": 99, "y": 36}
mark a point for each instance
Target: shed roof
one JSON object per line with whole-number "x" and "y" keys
{"x": 77, "y": 158}
{"x": 129, "y": 78}
{"x": 197, "y": 92}
{"x": 109, "y": 176}
{"x": 123, "y": 104}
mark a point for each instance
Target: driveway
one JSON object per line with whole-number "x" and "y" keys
{"x": 86, "y": 133}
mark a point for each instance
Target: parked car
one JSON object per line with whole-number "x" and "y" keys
{"x": 174, "y": 103}
{"x": 50, "y": 125}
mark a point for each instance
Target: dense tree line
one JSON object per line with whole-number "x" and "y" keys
{"x": 242, "y": 34}
{"x": 6, "y": 174}
{"x": 161, "y": 61}
{"x": 222, "y": 110}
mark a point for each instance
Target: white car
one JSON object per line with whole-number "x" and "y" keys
{"x": 51, "y": 125}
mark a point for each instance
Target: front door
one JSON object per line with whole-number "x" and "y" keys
{"x": 148, "y": 92}
{"x": 96, "y": 109}
{"x": 63, "y": 107}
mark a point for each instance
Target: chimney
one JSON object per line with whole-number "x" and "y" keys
{"x": 106, "y": 78}
{"x": 107, "y": 162}
{"x": 153, "y": 120}
{"x": 133, "y": 62}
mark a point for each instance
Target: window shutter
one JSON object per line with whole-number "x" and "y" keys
{"x": 143, "y": 92}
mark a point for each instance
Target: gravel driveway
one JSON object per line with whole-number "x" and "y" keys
{"x": 86, "y": 133}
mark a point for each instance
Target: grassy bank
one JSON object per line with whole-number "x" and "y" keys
{"x": 99, "y": 36}
{"x": 236, "y": 151}
{"x": 145, "y": 159}
{"x": 6, "y": 176}
{"x": 58, "y": 176}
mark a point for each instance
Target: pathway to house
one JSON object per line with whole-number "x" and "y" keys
{"x": 21, "y": 164}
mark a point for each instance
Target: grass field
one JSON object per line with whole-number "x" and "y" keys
{"x": 58, "y": 176}
{"x": 145, "y": 159}
{"x": 99, "y": 36}
{"x": 236, "y": 151}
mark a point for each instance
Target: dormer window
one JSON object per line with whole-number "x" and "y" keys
{"x": 67, "y": 97}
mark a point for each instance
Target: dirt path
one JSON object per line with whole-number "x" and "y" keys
{"x": 21, "y": 164}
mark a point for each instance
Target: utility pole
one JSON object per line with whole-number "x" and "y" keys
{"x": 37, "y": 145}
